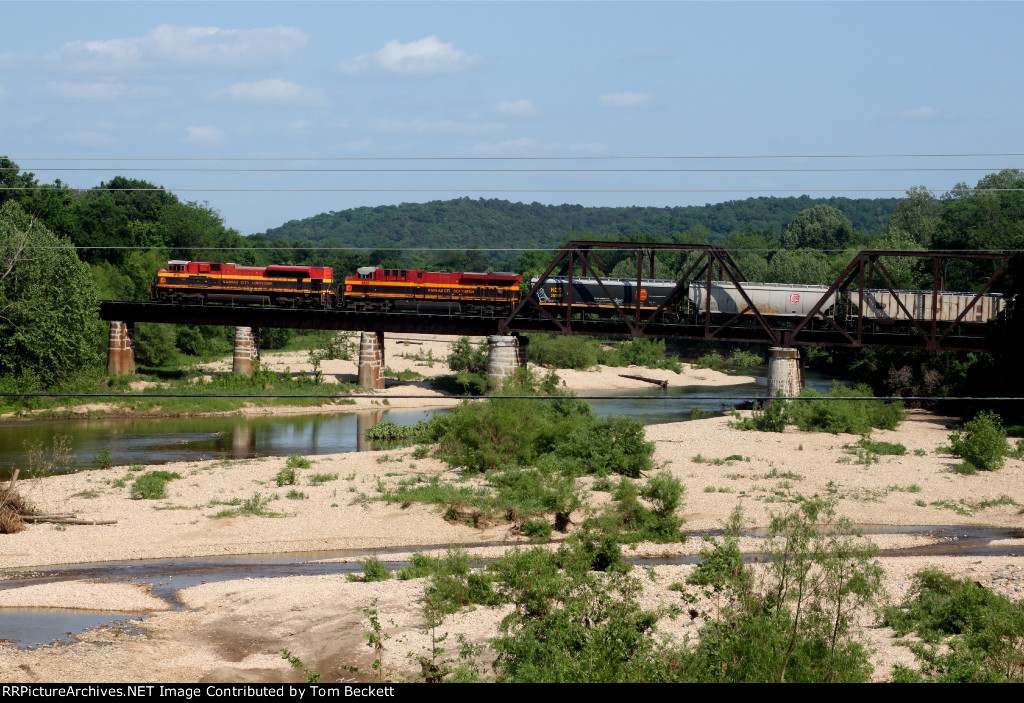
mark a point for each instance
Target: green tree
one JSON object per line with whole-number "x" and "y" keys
{"x": 819, "y": 227}
{"x": 49, "y": 324}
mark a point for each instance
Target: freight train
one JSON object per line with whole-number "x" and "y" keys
{"x": 496, "y": 294}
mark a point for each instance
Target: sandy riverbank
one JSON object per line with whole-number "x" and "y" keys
{"x": 234, "y": 630}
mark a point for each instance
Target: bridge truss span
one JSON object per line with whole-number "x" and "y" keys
{"x": 709, "y": 299}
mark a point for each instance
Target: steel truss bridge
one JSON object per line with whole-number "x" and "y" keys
{"x": 707, "y": 263}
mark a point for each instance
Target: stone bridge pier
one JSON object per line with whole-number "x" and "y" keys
{"x": 247, "y": 351}
{"x": 784, "y": 372}
{"x": 371, "y": 360}
{"x": 121, "y": 348}
{"x": 505, "y": 354}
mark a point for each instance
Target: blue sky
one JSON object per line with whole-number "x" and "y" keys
{"x": 311, "y": 84}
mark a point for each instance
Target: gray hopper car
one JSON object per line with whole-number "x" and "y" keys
{"x": 881, "y": 305}
{"x": 770, "y": 299}
{"x": 586, "y": 292}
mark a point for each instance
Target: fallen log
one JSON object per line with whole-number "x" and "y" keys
{"x": 655, "y": 381}
{"x": 66, "y": 520}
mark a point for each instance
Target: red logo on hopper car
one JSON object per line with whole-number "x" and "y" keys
{"x": 794, "y": 298}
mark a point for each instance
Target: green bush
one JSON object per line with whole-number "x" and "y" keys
{"x": 464, "y": 357}
{"x": 373, "y": 570}
{"x": 639, "y": 352}
{"x": 982, "y": 445}
{"x": 825, "y": 414}
{"x": 628, "y": 520}
{"x": 968, "y": 632}
{"x": 152, "y": 485}
{"x": 563, "y": 351}
{"x": 286, "y": 477}
{"x": 297, "y": 462}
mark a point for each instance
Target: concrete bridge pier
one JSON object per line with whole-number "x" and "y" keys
{"x": 504, "y": 356}
{"x": 247, "y": 351}
{"x": 784, "y": 372}
{"x": 121, "y": 349}
{"x": 371, "y": 360}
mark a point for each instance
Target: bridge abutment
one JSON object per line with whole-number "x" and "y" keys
{"x": 247, "y": 351}
{"x": 784, "y": 372}
{"x": 505, "y": 354}
{"x": 371, "y": 360}
{"x": 121, "y": 348}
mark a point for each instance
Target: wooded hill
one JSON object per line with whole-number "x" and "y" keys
{"x": 467, "y": 224}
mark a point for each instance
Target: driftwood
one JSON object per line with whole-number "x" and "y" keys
{"x": 655, "y": 381}
{"x": 70, "y": 519}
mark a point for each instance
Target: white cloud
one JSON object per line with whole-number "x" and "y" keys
{"x": 86, "y": 91}
{"x": 625, "y": 99}
{"x": 418, "y": 126}
{"x": 172, "y": 46}
{"x": 272, "y": 90}
{"x": 925, "y": 112}
{"x": 420, "y": 57}
{"x": 204, "y": 134}
{"x": 518, "y": 108}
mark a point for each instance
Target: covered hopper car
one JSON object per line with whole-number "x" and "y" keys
{"x": 770, "y": 299}
{"x": 885, "y": 306}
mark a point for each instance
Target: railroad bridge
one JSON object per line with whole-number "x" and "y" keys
{"x": 863, "y": 307}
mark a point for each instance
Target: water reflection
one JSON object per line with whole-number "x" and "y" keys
{"x": 24, "y": 445}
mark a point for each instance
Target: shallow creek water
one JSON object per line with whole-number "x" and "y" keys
{"x": 28, "y": 628}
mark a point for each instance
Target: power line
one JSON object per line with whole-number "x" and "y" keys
{"x": 298, "y": 247}
{"x": 517, "y": 170}
{"x": 649, "y": 157}
{"x": 340, "y": 396}
{"x": 534, "y": 191}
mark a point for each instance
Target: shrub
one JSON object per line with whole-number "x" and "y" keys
{"x": 286, "y": 477}
{"x": 297, "y": 462}
{"x": 628, "y": 520}
{"x": 12, "y": 507}
{"x": 640, "y": 352}
{"x": 562, "y": 351}
{"x": 983, "y": 443}
{"x": 825, "y": 414}
{"x": 152, "y": 485}
{"x": 969, "y": 632}
{"x": 466, "y": 357}
{"x": 373, "y": 570}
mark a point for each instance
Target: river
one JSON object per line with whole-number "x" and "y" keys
{"x": 30, "y": 445}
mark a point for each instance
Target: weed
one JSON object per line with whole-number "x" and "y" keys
{"x": 296, "y": 495}
{"x": 297, "y": 462}
{"x": 321, "y": 479}
{"x": 375, "y": 638}
{"x": 287, "y": 476}
{"x": 311, "y": 677}
{"x": 103, "y": 459}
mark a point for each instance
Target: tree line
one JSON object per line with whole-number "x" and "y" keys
{"x": 126, "y": 229}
